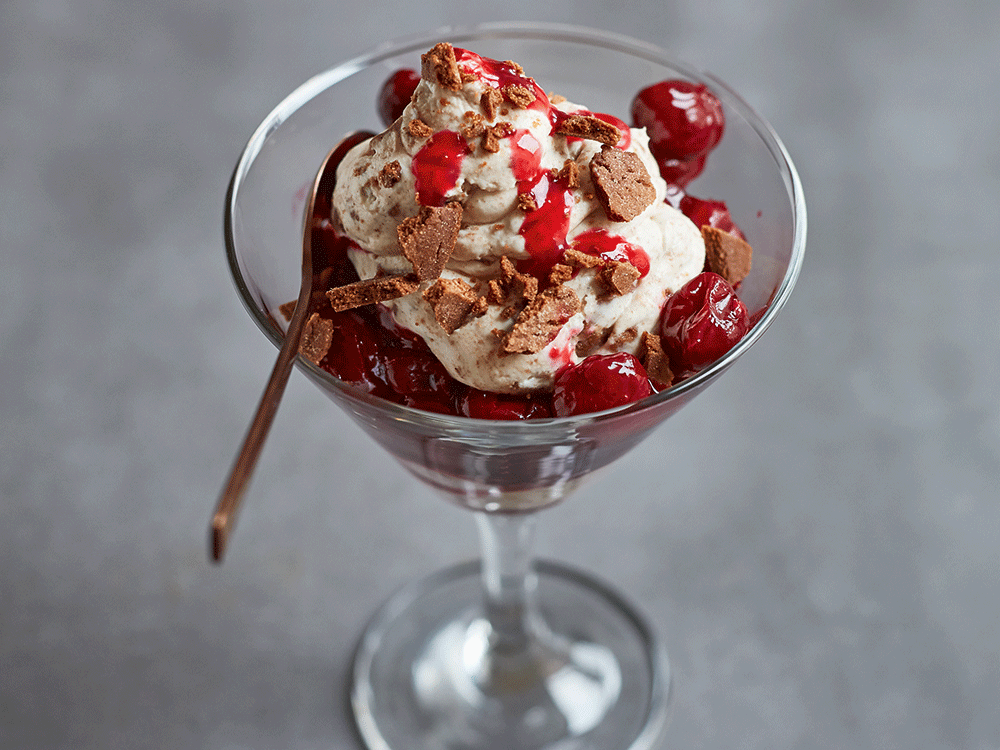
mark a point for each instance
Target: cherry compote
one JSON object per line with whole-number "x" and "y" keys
{"x": 396, "y": 93}
{"x": 700, "y": 322}
{"x": 599, "y": 382}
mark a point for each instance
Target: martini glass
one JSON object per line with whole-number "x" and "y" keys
{"x": 506, "y": 652}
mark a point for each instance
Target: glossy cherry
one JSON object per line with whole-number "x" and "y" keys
{"x": 599, "y": 382}
{"x": 709, "y": 213}
{"x": 484, "y": 405}
{"x": 700, "y": 322}
{"x": 684, "y": 120}
{"x": 396, "y": 93}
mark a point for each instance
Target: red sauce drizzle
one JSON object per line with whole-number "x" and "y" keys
{"x": 437, "y": 165}
{"x": 599, "y": 243}
{"x": 498, "y": 74}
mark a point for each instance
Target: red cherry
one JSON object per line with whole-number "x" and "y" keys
{"x": 679, "y": 173}
{"x": 410, "y": 372}
{"x": 684, "y": 120}
{"x": 396, "y": 94}
{"x": 700, "y": 322}
{"x": 709, "y": 213}
{"x": 354, "y": 354}
{"x": 599, "y": 382}
{"x": 483, "y": 405}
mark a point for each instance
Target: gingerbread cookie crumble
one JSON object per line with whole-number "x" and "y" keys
{"x": 428, "y": 239}
{"x": 569, "y": 174}
{"x": 390, "y": 174}
{"x": 454, "y": 302}
{"x": 619, "y": 277}
{"x": 317, "y": 336}
{"x": 726, "y": 254}
{"x": 493, "y": 134}
{"x": 419, "y": 129}
{"x": 622, "y": 184}
{"x": 540, "y": 321}
{"x": 526, "y": 202}
{"x": 369, "y": 291}
{"x": 439, "y": 64}
{"x": 490, "y": 101}
{"x": 591, "y": 128}
{"x": 519, "y": 96}
{"x": 654, "y": 359}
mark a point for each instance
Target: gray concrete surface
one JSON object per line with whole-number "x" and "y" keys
{"x": 821, "y": 557}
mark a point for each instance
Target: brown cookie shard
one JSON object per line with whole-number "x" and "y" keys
{"x": 286, "y": 309}
{"x": 569, "y": 175}
{"x": 439, "y": 64}
{"x": 419, "y": 129}
{"x": 654, "y": 359}
{"x": 726, "y": 254}
{"x": 526, "y": 202}
{"x": 625, "y": 337}
{"x": 454, "y": 302}
{"x": 560, "y": 274}
{"x": 369, "y": 291}
{"x": 317, "y": 336}
{"x": 519, "y": 96}
{"x": 591, "y": 128}
{"x": 582, "y": 260}
{"x": 622, "y": 184}
{"x": 512, "y": 288}
{"x": 390, "y": 174}
{"x": 619, "y": 277}
{"x": 428, "y": 239}
{"x": 473, "y": 125}
{"x": 591, "y": 340}
{"x": 493, "y": 134}
{"x": 540, "y": 321}
{"x": 490, "y": 101}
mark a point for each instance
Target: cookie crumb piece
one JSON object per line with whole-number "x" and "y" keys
{"x": 591, "y": 340}
{"x": 519, "y": 96}
{"x": 569, "y": 174}
{"x": 419, "y": 129}
{"x": 654, "y": 359}
{"x": 526, "y": 202}
{"x": 428, "y": 239}
{"x": 490, "y": 101}
{"x": 619, "y": 277}
{"x": 591, "y": 128}
{"x": 625, "y": 337}
{"x": 474, "y": 125}
{"x": 390, "y": 174}
{"x": 286, "y": 309}
{"x": 727, "y": 254}
{"x": 493, "y": 134}
{"x": 454, "y": 302}
{"x": 560, "y": 274}
{"x": 379, "y": 289}
{"x": 556, "y": 98}
{"x": 439, "y": 64}
{"x": 622, "y": 184}
{"x": 582, "y": 260}
{"x": 540, "y": 321}
{"x": 317, "y": 336}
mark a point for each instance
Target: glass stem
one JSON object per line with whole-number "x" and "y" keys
{"x": 509, "y": 580}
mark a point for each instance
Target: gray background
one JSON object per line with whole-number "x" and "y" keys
{"x": 816, "y": 537}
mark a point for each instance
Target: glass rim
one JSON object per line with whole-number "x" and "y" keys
{"x": 320, "y": 82}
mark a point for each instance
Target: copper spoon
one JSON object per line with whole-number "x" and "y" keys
{"x": 228, "y": 507}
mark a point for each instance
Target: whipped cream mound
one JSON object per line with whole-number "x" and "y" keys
{"x": 539, "y": 275}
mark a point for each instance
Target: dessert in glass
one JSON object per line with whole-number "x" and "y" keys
{"x": 505, "y": 339}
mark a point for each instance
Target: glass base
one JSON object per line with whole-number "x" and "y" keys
{"x": 427, "y": 677}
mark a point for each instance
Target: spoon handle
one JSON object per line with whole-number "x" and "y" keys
{"x": 228, "y": 507}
